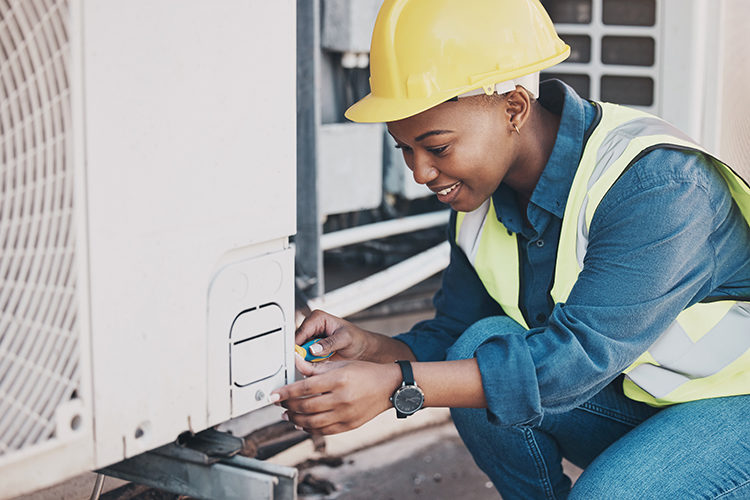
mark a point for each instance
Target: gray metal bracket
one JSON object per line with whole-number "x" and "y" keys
{"x": 207, "y": 466}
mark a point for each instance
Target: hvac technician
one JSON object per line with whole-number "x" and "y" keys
{"x": 597, "y": 302}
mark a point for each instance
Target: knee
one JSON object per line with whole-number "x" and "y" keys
{"x": 589, "y": 486}
{"x": 478, "y": 333}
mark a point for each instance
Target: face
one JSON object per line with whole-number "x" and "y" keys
{"x": 460, "y": 150}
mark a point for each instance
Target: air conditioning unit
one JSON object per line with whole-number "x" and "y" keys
{"x": 147, "y": 196}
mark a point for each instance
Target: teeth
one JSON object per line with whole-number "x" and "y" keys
{"x": 447, "y": 190}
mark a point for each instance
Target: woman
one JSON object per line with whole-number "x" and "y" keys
{"x": 597, "y": 302}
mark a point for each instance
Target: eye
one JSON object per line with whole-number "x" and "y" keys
{"x": 438, "y": 151}
{"x": 404, "y": 149}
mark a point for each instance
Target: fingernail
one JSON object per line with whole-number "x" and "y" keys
{"x": 274, "y": 397}
{"x": 285, "y": 416}
{"x": 316, "y": 349}
{"x": 298, "y": 428}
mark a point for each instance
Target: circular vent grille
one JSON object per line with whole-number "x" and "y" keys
{"x": 39, "y": 349}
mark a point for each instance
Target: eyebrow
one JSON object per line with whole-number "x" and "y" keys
{"x": 431, "y": 132}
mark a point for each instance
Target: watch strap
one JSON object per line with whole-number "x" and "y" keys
{"x": 406, "y": 372}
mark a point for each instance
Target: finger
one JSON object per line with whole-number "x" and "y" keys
{"x": 338, "y": 339}
{"x": 302, "y": 388}
{"x": 311, "y": 423}
{"x": 315, "y": 325}
{"x": 296, "y": 390}
{"x": 317, "y": 380}
{"x": 306, "y": 368}
{"x": 315, "y": 404}
{"x": 309, "y": 369}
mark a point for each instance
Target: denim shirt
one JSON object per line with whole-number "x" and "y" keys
{"x": 667, "y": 235}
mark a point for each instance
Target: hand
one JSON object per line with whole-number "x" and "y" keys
{"x": 338, "y": 396}
{"x": 337, "y": 335}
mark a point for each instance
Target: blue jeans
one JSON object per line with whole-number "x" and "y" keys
{"x": 628, "y": 449}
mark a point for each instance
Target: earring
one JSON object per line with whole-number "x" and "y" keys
{"x": 516, "y": 127}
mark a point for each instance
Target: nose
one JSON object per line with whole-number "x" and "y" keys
{"x": 423, "y": 170}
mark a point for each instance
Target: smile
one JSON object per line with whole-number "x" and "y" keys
{"x": 447, "y": 190}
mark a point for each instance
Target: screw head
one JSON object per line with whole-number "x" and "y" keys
{"x": 260, "y": 396}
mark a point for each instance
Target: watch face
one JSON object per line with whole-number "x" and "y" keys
{"x": 408, "y": 399}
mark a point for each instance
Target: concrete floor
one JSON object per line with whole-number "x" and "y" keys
{"x": 429, "y": 463}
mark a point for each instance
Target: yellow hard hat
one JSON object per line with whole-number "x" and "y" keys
{"x": 425, "y": 52}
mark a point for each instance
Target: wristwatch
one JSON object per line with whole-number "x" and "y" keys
{"x": 408, "y": 398}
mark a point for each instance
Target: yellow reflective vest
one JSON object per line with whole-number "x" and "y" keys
{"x": 705, "y": 352}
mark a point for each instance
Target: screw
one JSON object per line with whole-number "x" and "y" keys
{"x": 260, "y": 396}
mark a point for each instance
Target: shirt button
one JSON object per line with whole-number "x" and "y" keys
{"x": 540, "y": 243}
{"x": 541, "y": 317}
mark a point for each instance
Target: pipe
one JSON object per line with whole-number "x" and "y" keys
{"x": 367, "y": 292}
{"x": 377, "y": 230}
{"x": 98, "y": 485}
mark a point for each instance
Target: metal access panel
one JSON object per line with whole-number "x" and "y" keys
{"x": 148, "y": 174}
{"x": 350, "y": 158}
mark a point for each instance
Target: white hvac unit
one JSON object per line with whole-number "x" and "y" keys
{"x": 147, "y": 193}
{"x": 679, "y": 59}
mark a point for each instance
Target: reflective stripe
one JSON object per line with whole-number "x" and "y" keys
{"x": 610, "y": 150}
{"x": 656, "y": 380}
{"x": 617, "y": 140}
{"x": 672, "y": 345}
{"x": 681, "y": 360}
{"x": 724, "y": 343}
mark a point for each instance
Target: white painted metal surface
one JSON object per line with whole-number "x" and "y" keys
{"x": 728, "y": 102}
{"x": 350, "y": 176}
{"x": 177, "y": 131}
{"x": 703, "y": 72}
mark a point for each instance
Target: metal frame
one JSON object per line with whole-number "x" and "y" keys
{"x": 380, "y": 286}
{"x": 309, "y": 258}
{"x": 377, "y": 230}
{"x": 210, "y": 469}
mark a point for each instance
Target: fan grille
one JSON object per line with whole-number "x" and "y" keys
{"x": 39, "y": 346}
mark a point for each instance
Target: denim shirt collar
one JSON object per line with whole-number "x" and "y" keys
{"x": 551, "y": 192}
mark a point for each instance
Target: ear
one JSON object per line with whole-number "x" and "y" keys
{"x": 517, "y": 108}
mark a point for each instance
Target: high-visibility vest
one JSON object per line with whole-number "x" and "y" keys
{"x": 705, "y": 352}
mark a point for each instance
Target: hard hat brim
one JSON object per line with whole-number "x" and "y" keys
{"x": 372, "y": 109}
{"x": 375, "y": 109}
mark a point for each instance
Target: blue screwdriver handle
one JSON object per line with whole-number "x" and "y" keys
{"x": 308, "y": 356}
